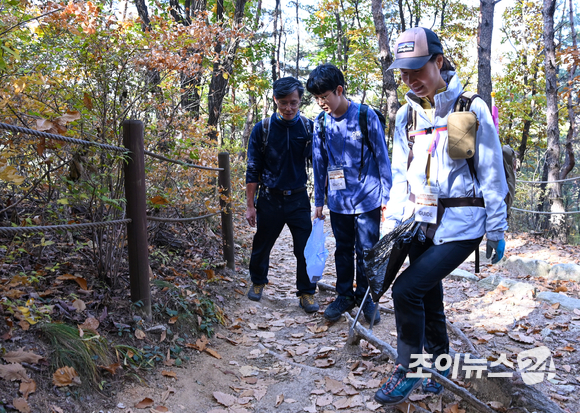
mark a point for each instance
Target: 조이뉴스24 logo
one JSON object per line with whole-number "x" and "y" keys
{"x": 534, "y": 373}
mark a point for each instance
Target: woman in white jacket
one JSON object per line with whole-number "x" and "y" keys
{"x": 456, "y": 204}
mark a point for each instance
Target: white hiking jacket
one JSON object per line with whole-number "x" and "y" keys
{"x": 452, "y": 176}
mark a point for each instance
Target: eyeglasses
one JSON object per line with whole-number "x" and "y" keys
{"x": 323, "y": 99}
{"x": 292, "y": 105}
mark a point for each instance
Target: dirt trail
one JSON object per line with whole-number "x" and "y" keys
{"x": 276, "y": 358}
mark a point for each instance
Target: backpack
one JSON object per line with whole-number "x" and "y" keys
{"x": 266, "y": 130}
{"x": 364, "y": 128}
{"x": 463, "y": 104}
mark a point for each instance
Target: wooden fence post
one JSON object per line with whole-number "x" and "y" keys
{"x": 227, "y": 219}
{"x": 138, "y": 249}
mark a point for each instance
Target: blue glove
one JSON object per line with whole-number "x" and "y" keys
{"x": 498, "y": 246}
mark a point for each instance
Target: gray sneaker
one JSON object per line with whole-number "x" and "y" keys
{"x": 255, "y": 292}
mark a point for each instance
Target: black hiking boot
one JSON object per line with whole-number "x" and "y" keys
{"x": 255, "y": 292}
{"x": 340, "y": 305}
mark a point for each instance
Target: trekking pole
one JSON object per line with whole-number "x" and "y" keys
{"x": 374, "y": 314}
{"x": 351, "y": 331}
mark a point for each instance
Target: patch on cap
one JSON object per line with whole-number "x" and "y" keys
{"x": 406, "y": 47}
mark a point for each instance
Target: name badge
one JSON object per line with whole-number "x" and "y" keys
{"x": 336, "y": 181}
{"x": 426, "y": 205}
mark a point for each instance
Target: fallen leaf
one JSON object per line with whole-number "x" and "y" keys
{"x": 112, "y": 368}
{"x": 139, "y": 334}
{"x": 21, "y": 405}
{"x": 79, "y": 305}
{"x": 13, "y": 294}
{"x": 311, "y": 409}
{"x": 81, "y": 282}
{"x": 173, "y": 320}
{"x": 555, "y": 306}
{"x": 248, "y": 371}
{"x": 495, "y": 405}
{"x": 159, "y": 409}
{"x": 168, "y": 373}
{"x": 454, "y": 408}
{"x": 13, "y": 372}
{"x": 243, "y": 400}
{"x": 163, "y": 336}
{"x": 25, "y": 325}
{"x": 323, "y": 363}
{"x": 202, "y": 343}
{"x": 91, "y": 324}
{"x": 405, "y": 407}
{"x": 224, "y": 398}
{"x": 27, "y": 388}
{"x": 165, "y": 395}
{"x": 213, "y": 353}
{"x": 324, "y": 400}
{"x": 66, "y": 277}
{"x": 333, "y": 386}
{"x": 56, "y": 409}
{"x": 279, "y": 399}
{"x": 21, "y": 356}
{"x": 145, "y": 403}
{"x": 65, "y": 376}
{"x": 521, "y": 338}
{"x": 260, "y": 393}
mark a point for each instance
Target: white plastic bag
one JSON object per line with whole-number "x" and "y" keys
{"x": 315, "y": 251}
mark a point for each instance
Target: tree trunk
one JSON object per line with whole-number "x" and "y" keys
{"x": 389, "y": 88}
{"x": 569, "y": 162}
{"x": 143, "y": 14}
{"x": 557, "y": 221}
{"x": 401, "y": 15}
{"x": 252, "y": 110}
{"x": 275, "y": 62}
{"x": 224, "y": 66}
{"x": 528, "y": 122}
{"x": 484, "y": 35}
{"x": 297, "y": 41}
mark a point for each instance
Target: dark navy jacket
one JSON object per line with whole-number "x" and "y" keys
{"x": 283, "y": 164}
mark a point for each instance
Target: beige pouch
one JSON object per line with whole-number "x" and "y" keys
{"x": 461, "y": 132}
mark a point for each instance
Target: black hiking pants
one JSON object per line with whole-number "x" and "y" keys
{"x": 418, "y": 298}
{"x": 275, "y": 210}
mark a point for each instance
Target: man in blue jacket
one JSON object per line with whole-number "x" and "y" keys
{"x": 356, "y": 172}
{"x": 276, "y": 188}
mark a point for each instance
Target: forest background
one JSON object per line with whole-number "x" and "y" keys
{"x": 199, "y": 73}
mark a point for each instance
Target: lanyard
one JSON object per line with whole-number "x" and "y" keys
{"x": 432, "y": 146}
{"x": 330, "y": 134}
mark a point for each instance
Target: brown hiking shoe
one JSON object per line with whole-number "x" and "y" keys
{"x": 308, "y": 303}
{"x": 255, "y": 292}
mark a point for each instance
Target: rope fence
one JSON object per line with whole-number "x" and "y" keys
{"x": 68, "y": 227}
{"x": 549, "y": 182}
{"x": 46, "y": 135}
{"x": 163, "y": 158}
{"x": 135, "y": 208}
{"x": 546, "y": 212}
{"x": 183, "y": 220}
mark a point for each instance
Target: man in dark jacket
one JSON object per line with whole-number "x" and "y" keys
{"x": 276, "y": 188}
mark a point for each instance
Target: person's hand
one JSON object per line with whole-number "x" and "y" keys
{"x": 251, "y": 216}
{"x": 318, "y": 213}
{"x": 498, "y": 247}
{"x": 383, "y": 213}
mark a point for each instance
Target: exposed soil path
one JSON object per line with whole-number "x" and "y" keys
{"x": 276, "y": 358}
